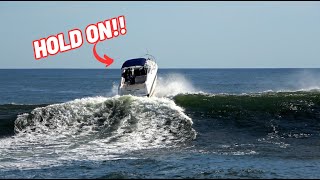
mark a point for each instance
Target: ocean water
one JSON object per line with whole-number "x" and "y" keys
{"x": 202, "y": 123}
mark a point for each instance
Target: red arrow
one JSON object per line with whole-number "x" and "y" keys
{"x": 106, "y": 60}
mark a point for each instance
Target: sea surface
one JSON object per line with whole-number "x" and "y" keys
{"x": 202, "y": 123}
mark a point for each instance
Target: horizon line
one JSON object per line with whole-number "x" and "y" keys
{"x": 163, "y": 68}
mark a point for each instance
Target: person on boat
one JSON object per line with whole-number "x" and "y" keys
{"x": 126, "y": 75}
{"x": 131, "y": 76}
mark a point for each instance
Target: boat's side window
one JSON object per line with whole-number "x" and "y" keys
{"x": 125, "y": 75}
{"x": 137, "y": 72}
{"x": 143, "y": 71}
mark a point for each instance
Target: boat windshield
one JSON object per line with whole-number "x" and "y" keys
{"x": 135, "y": 75}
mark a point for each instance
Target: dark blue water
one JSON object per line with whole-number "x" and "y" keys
{"x": 203, "y": 123}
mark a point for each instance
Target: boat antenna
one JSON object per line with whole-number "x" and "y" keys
{"x": 147, "y": 54}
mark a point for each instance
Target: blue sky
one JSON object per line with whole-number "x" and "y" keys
{"x": 178, "y": 34}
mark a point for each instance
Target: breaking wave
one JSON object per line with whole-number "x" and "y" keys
{"x": 98, "y": 128}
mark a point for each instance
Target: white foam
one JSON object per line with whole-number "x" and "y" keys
{"x": 173, "y": 84}
{"x": 96, "y": 128}
{"x": 114, "y": 90}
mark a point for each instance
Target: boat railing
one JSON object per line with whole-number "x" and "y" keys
{"x": 151, "y": 57}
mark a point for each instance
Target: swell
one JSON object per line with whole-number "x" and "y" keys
{"x": 9, "y": 113}
{"x": 288, "y": 113}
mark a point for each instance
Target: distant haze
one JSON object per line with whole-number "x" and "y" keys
{"x": 178, "y": 34}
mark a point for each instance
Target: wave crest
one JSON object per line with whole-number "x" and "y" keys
{"x": 126, "y": 121}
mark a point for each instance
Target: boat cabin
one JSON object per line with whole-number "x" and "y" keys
{"x": 135, "y": 71}
{"x": 138, "y": 77}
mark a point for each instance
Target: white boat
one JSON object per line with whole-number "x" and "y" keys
{"x": 138, "y": 77}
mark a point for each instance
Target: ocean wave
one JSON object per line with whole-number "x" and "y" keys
{"x": 151, "y": 119}
{"x": 105, "y": 128}
{"x": 309, "y": 89}
{"x": 291, "y": 113}
{"x": 8, "y": 115}
{"x": 97, "y": 128}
